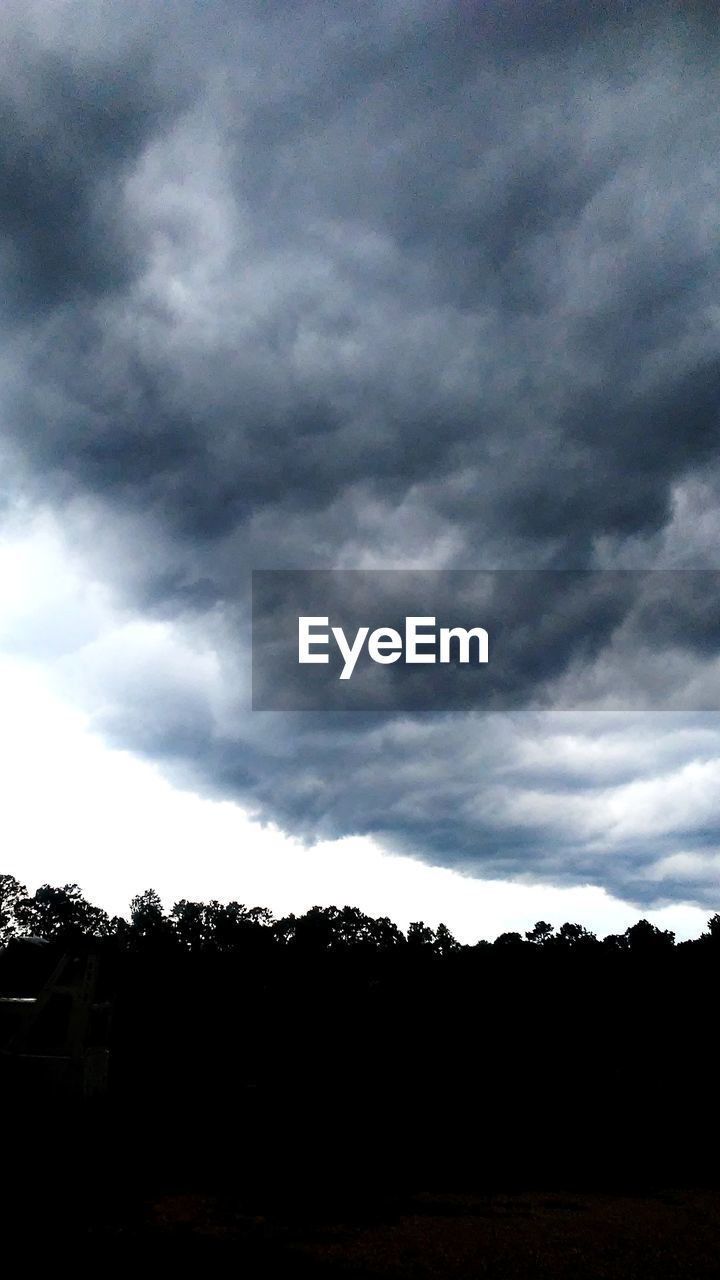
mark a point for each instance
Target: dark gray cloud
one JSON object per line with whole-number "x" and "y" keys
{"x": 70, "y": 131}
{"x": 390, "y": 285}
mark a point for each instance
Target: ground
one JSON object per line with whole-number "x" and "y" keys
{"x": 455, "y": 1235}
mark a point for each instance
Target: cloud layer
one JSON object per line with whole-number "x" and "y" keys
{"x": 391, "y": 285}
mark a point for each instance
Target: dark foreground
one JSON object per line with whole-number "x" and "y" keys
{"x": 457, "y": 1234}
{"x": 646, "y": 1233}
{"x": 494, "y": 1113}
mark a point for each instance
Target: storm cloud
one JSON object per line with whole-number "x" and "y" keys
{"x": 391, "y": 285}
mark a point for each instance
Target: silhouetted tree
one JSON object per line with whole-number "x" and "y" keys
{"x": 191, "y": 924}
{"x": 508, "y": 939}
{"x": 338, "y": 929}
{"x": 148, "y": 922}
{"x": 60, "y": 913}
{"x": 120, "y": 929}
{"x": 616, "y": 942}
{"x": 445, "y": 943}
{"x": 420, "y": 935}
{"x": 573, "y": 935}
{"x": 352, "y": 928}
{"x": 11, "y": 893}
{"x": 232, "y": 925}
{"x": 312, "y": 931}
{"x": 383, "y": 933}
{"x": 284, "y": 928}
{"x": 645, "y": 936}
{"x": 713, "y": 931}
{"x": 540, "y": 933}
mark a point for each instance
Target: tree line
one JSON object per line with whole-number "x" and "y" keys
{"x": 62, "y": 914}
{"x": 332, "y": 1045}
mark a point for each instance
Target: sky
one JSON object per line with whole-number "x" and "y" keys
{"x": 393, "y": 285}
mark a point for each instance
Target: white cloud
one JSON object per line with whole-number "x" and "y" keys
{"x": 76, "y": 810}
